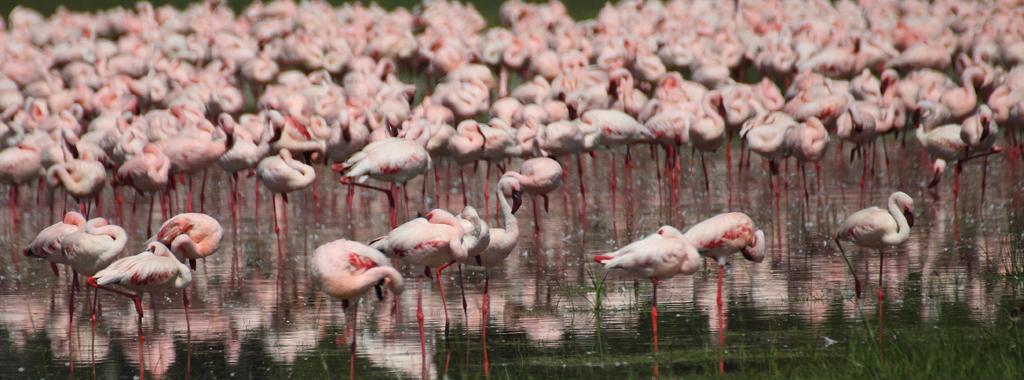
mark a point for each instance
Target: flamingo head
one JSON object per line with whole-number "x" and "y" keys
{"x": 510, "y": 187}
{"x": 755, "y": 251}
{"x": 905, "y": 204}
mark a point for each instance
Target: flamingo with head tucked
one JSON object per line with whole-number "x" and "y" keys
{"x": 346, "y": 270}
{"x": 659, "y": 256}
{"x": 155, "y": 269}
{"x": 281, "y": 174}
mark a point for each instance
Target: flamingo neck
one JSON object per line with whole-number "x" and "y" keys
{"x": 508, "y": 220}
{"x": 902, "y": 227}
{"x": 373, "y": 275}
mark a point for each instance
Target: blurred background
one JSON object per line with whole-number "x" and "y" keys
{"x": 580, "y": 9}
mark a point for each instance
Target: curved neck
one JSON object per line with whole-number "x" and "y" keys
{"x": 508, "y": 220}
{"x": 902, "y": 227}
{"x": 373, "y": 275}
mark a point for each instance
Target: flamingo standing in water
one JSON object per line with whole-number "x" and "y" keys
{"x": 658, "y": 256}
{"x": 148, "y": 173}
{"x": 48, "y": 243}
{"x": 156, "y": 269}
{"x": 719, "y": 237}
{"x": 393, "y": 160}
{"x": 431, "y": 241}
{"x": 88, "y": 251}
{"x": 82, "y": 178}
{"x": 282, "y": 174}
{"x": 876, "y": 228}
{"x": 501, "y": 242}
{"x": 537, "y": 177}
{"x": 18, "y": 165}
{"x": 346, "y": 270}
{"x": 191, "y": 236}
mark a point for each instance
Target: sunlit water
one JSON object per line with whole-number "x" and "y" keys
{"x": 255, "y": 313}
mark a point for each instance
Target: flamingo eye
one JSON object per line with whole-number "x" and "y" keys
{"x": 661, "y": 231}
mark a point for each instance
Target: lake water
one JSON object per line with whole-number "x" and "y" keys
{"x": 255, "y": 314}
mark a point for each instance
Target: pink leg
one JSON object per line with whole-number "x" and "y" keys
{"x": 185, "y": 303}
{"x": 419, "y": 321}
{"x": 485, "y": 308}
{"x": 654, "y": 312}
{"x": 440, "y": 287}
{"x": 352, "y": 348}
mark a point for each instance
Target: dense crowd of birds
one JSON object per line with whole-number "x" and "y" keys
{"x": 149, "y": 96}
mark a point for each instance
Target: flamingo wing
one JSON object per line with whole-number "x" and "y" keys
{"x": 143, "y": 270}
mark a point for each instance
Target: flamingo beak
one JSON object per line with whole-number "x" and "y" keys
{"x": 909, "y": 215}
{"x": 378, "y": 290}
{"x": 517, "y": 200}
{"x": 27, "y": 252}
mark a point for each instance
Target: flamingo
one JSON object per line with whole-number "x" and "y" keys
{"x": 394, "y": 160}
{"x": 876, "y": 228}
{"x": 81, "y": 178}
{"x": 48, "y": 243}
{"x": 155, "y": 269}
{"x": 346, "y": 270}
{"x": 88, "y": 251}
{"x": 147, "y": 173}
{"x": 718, "y": 238}
{"x": 501, "y": 241}
{"x": 19, "y": 164}
{"x": 191, "y": 236}
{"x": 659, "y": 256}
{"x": 538, "y": 177}
{"x": 435, "y": 240}
{"x": 282, "y": 174}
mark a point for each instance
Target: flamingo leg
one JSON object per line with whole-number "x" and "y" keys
{"x": 202, "y": 192}
{"x": 881, "y": 302}
{"x": 440, "y": 288}
{"x": 704, "y": 167}
{"x": 12, "y": 202}
{"x": 536, "y": 216}
{"x": 71, "y": 316}
{"x": 654, "y": 312}
{"x": 393, "y": 218}
{"x": 188, "y": 200}
{"x": 583, "y": 186}
{"x": 721, "y": 323}
{"x": 856, "y": 281}
{"x": 185, "y": 303}
{"x": 352, "y": 348}
{"x": 485, "y": 308}
{"x": 419, "y": 321}
{"x": 462, "y": 291}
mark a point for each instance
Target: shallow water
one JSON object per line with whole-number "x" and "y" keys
{"x": 255, "y": 315}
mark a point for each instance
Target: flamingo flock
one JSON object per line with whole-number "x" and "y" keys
{"x": 156, "y": 98}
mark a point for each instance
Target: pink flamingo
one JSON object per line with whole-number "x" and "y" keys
{"x": 282, "y": 174}
{"x": 393, "y": 160}
{"x": 500, "y": 243}
{"x": 435, "y": 240}
{"x": 88, "y": 251}
{"x": 346, "y": 270}
{"x": 718, "y": 238}
{"x": 156, "y": 269}
{"x": 191, "y": 236}
{"x": 80, "y": 178}
{"x": 876, "y": 228}
{"x": 19, "y": 164}
{"x": 537, "y": 177}
{"x": 147, "y": 173}
{"x": 659, "y": 256}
